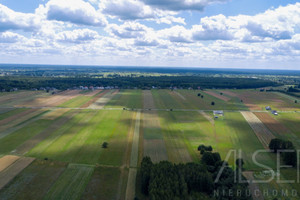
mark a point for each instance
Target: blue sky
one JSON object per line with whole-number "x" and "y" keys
{"x": 199, "y": 33}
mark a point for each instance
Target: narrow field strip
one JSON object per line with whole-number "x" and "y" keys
{"x": 40, "y": 149}
{"x": 18, "y": 95}
{"x": 24, "y": 112}
{"x": 103, "y": 100}
{"x": 135, "y": 142}
{"x": 261, "y": 131}
{"x": 272, "y": 124}
{"x": 154, "y": 145}
{"x": 9, "y": 173}
{"x": 130, "y": 190}
{"x": 94, "y": 99}
{"x": 21, "y": 123}
{"x": 32, "y": 142}
{"x": 33, "y": 182}
{"x": 55, "y": 113}
{"x": 4, "y": 111}
{"x": 71, "y": 184}
{"x": 221, "y": 97}
{"x": 6, "y": 161}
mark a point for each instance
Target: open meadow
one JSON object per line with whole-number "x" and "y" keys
{"x": 52, "y": 145}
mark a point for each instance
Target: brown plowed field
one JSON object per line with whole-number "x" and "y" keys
{"x": 13, "y": 170}
{"x": 6, "y": 161}
{"x": 261, "y": 131}
{"x": 272, "y": 124}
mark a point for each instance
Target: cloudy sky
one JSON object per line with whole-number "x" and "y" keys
{"x": 193, "y": 33}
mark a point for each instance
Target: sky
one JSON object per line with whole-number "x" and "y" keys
{"x": 252, "y": 34}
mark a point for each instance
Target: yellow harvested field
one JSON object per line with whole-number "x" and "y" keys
{"x": 262, "y": 132}
{"x": 13, "y": 170}
{"x": 55, "y": 113}
{"x": 102, "y": 101}
{"x": 6, "y": 161}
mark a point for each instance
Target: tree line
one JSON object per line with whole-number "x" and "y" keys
{"x": 26, "y": 82}
{"x": 165, "y": 180}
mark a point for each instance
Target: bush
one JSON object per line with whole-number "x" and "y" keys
{"x": 104, "y": 145}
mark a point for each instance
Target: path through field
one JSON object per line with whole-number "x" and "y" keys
{"x": 130, "y": 190}
{"x": 261, "y": 131}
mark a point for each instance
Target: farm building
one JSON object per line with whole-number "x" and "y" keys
{"x": 268, "y": 108}
{"x": 218, "y": 113}
{"x": 274, "y": 112}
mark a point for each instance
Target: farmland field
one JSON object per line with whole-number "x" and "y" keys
{"x": 51, "y": 146}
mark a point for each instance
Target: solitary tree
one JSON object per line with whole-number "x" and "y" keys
{"x": 199, "y": 94}
{"x": 212, "y": 103}
{"x": 296, "y": 101}
{"x": 104, "y": 145}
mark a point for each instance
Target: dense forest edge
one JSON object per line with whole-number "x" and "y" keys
{"x": 27, "y": 83}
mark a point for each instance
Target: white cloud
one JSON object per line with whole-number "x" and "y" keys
{"x": 178, "y": 5}
{"x": 128, "y": 30}
{"x": 137, "y": 10}
{"x": 77, "y": 36}
{"x": 74, "y": 11}
{"x": 9, "y": 37}
{"x": 11, "y": 20}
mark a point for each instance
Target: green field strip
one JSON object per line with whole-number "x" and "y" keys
{"x": 127, "y": 99}
{"x": 135, "y": 142}
{"x": 289, "y": 97}
{"x": 104, "y": 184}
{"x": 205, "y": 103}
{"x": 61, "y": 140}
{"x": 56, "y": 124}
{"x": 13, "y": 140}
{"x": 76, "y": 102}
{"x": 33, "y": 182}
{"x": 174, "y": 138}
{"x": 40, "y": 150}
{"x": 71, "y": 184}
{"x": 117, "y": 139}
{"x": 163, "y": 100}
{"x": 10, "y": 113}
{"x": 242, "y": 137}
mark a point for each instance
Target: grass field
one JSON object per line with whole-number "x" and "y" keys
{"x": 34, "y": 182}
{"x": 71, "y": 184}
{"x": 126, "y": 99}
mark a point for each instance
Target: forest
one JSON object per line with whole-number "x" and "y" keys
{"x": 25, "y": 82}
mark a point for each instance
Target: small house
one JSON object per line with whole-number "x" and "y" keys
{"x": 218, "y": 113}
